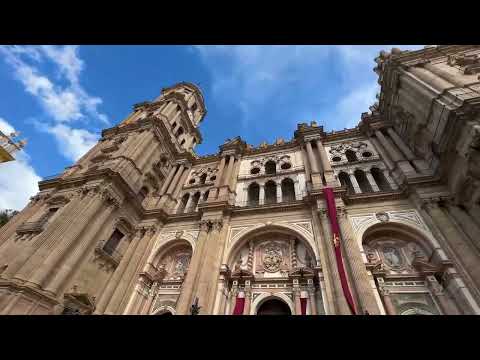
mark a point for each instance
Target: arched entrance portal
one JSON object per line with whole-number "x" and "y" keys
{"x": 274, "y": 307}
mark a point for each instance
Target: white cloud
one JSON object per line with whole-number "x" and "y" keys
{"x": 65, "y": 100}
{"x": 5, "y": 127}
{"x": 73, "y": 143}
{"x": 250, "y": 77}
{"x": 18, "y": 179}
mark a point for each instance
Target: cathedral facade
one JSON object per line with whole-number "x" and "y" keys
{"x": 380, "y": 219}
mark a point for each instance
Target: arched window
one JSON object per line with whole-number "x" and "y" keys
{"x": 345, "y": 181}
{"x": 183, "y": 142}
{"x": 270, "y": 168}
{"x": 362, "y": 181}
{"x": 402, "y": 253}
{"x": 194, "y": 107}
{"x": 183, "y": 203}
{"x": 380, "y": 179}
{"x": 253, "y": 194}
{"x": 143, "y": 193}
{"x": 180, "y": 131}
{"x": 194, "y": 204}
{"x": 270, "y": 192}
{"x": 288, "y": 190}
{"x": 203, "y": 178}
{"x": 351, "y": 156}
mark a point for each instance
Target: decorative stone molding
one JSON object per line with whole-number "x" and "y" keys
{"x": 209, "y": 225}
{"x": 360, "y": 223}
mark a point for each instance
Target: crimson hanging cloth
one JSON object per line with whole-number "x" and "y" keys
{"x": 303, "y": 305}
{"x": 239, "y": 305}
{"x": 332, "y": 215}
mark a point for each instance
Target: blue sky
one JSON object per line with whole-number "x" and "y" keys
{"x": 61, "y": 97}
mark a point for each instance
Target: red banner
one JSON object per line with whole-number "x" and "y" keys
{"x": 303, "y": 305}
{"x": 239, "y": 304}
{"x": 332, "y": 215}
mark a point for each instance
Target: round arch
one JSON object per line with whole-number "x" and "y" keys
{"x": 262, "y": 298}
{"x": 164, "y": 309}
{"x": 161, "y": 250}
{"x": 287, "y": 229}
{"x": 412, "y": 228}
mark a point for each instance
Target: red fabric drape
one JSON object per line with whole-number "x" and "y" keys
{"x": 332, "y": 215}
{"x": 239, "y": 306}
{"x": 303, "y": 305}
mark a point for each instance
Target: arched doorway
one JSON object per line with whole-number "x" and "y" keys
{"x": 269, "y": 261}
{"x": 274, "y": 307}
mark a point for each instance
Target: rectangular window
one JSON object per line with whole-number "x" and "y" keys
{"x": 113, "y": 242}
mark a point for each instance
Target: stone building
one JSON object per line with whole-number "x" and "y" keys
{"x": 8, "y": 146}
{"x": 142, "y": 225}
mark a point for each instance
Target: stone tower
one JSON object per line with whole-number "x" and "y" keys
{"x": 382, "y": 218}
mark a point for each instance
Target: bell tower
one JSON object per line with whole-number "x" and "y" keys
{"x": 182, "y": 109}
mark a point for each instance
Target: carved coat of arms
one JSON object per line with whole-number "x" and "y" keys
{"x": 272, "y": 258}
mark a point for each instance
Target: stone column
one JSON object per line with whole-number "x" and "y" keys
{"x": 391, "y": 182}
{"x": 181, "y": 182}
{"x": 248, "y": 298}
{"x": 466, "y": 223}
{"x": 228, "y": 174}
{"x": 118, "y": 273}
{"x": 399, "y": 142}
{"x": 340, "y": 302}
{"x": 306, "y": 166}
{"x": 296, "y": 300}
{"x": 387, "y": 302}
{"x": 129, "y": 273}
{"x": 168, "y": 180}
{"x": 209, "y": 282}
{"x": 261, "y": 195}
{"x": 70, "y": 264}
{"x": 279, "y": 193}
{"x": 312, "y": 301}
{"x": 221, "y": 167}
{"x": 354, "y": 182}
{"x": 151, "y": 296}
{"x": 175, "y": 180}
{"x": 57, "y": 254}
{"x": 311, "y": 158}
{"x": 234, "y": 176}
{"x": 41, "y": 246}
{"x": 371, "y": 181}
{"x": 187, "y": 293}
{"x": 366, "y": 298}
{"x": 446, "y": 305}
{"x": 386, "y": 159}
{"x": 189, "y": 203}
{"x": 453, "y": 241}
{"x": 323, "y": 291}
{"x": 394, "y": 153}
{"x": 298, "y": 194}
